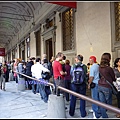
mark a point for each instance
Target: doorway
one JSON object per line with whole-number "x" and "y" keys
{"x": 23, "y": 54}
{"x": 49, "y": 48}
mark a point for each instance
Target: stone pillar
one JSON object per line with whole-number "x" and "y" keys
{"x": 56, "y": 107}
{"x": 21, "y": 84}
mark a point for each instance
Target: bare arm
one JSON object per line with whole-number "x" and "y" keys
{"x": 63, "y": 73}
{"x": 89, "y": 81}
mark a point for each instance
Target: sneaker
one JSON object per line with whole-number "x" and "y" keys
{"x": 34, "y": 92}
{"x": 58, "y": 94}
{"x": 94, "y": 117}
{"x": 37, "y": 93}
{"x": 90, "y": 110}
{"x": 71, "y": 115}
{"x": 85, "y": 115}
{"x": 45, "y": 101}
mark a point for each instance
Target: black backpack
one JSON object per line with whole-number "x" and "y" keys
{"x": 50, "y": 68}
{"x": 78, "y": 74}
{"x": 45, "y": 75}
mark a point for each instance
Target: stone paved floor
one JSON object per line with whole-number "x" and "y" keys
{"x": 25, "y": 104}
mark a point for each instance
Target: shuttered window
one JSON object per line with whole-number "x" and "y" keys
{"x": 117, "y": 20}
{"x": 68, "y": 29}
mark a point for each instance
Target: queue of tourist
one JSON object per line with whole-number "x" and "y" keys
{"x": 77, "y": 77}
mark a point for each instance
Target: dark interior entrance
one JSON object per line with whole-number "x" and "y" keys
{"x": 23, "y": 54}
{"x": 49, "y": 48}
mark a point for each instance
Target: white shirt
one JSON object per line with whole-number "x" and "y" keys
{"x": 37, "y": 69}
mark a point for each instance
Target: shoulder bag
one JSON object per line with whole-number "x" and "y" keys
{"x": 114, "y": 89}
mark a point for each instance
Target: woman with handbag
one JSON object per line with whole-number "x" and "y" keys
{"x": 104, "y": 89}
{"x": 117, "y": 74}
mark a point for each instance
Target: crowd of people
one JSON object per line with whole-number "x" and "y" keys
{"x": 77, "y": 77}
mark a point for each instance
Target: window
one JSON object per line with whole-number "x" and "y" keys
{"x": 38, "y": 43}
{"x": 117, "y": 20}
{"x": 13, "y": 54}
{"x": 28, "y": 47}
{"x": 68, "y": 29}
{"x": 9, "y": 56}
{"x": 23, "y": 50}
{"x": 19, "y": 51}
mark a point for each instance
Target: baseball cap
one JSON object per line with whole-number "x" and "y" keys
{"x": 93, "y": 58}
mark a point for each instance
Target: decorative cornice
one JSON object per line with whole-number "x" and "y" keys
{"x": 50, "y": 29}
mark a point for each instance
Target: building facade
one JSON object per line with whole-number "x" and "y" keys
{"x": 91, "y": 28}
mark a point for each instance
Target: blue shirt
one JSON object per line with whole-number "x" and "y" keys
{"x": 94, "y": 72}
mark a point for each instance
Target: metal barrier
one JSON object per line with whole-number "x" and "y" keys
{"x": 106, "y": 106}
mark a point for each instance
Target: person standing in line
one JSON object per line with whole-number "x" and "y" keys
{"x": 58, "y": 73}
{"x": 50, "y": 67}
{"x": 52, "y": 60}
{"x": 44, "y": 60}
{"x": 50, "y": 64}
{"x": 15, "y": 70}
{"x": 67, "y": 79}
{"x": 79, "y": 88}
{"x": 6, "y": 72}
{"x": 104, "y": 89}
{"x": 24, "y": 66}
{"x": 9, "y": 69}
{"x": 21, "y": 68}
{"x": 0, "y": 70}
{"x": 117, "y": 75}
{"x": 29, "y": 73}
{"x": 63, "y": 63}
{"x": 36, "y": 70}
{"x": 88, "y": 71}
{"x": 94, "y": 77}
{"x": 2, "y": 77}
{"x": 47, "y": 87}
{"x": 12, "y": 69}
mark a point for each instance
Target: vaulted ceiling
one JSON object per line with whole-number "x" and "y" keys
{"x": 13, "y": 16}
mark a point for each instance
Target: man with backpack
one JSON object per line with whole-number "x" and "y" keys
{"x": 78, "y": 84}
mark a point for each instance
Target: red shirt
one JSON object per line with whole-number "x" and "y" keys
{"x": 57, "y": 67}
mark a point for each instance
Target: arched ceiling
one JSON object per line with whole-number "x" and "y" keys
{"x": 13, "y": 16}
